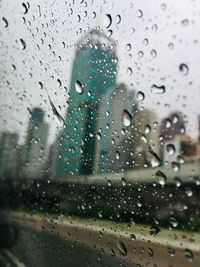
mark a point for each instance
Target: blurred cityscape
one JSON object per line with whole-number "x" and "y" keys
{"x": 105, "y": 130}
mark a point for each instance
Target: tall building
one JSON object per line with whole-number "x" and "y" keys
{"x": 8, "y": 154}
{"x": 34, "y": 151}
{"x": 93, "y": 74}
{"x": 115, "y": 143}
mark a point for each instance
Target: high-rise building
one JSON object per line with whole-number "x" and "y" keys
{"x": 8, "y": 154}
{"x": 93, "y": 74}
{"x": 34, "y": 150}
{"x": 115, "y": 140}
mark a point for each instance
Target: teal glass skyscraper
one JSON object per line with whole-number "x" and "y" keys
{"x": 93, "y": 74}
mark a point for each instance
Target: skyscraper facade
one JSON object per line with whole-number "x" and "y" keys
{"x": 33, "y": 152}
{"x": 93, "y": 74}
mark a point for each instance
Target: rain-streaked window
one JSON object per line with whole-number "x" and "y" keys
{"x": 100, "y": 133}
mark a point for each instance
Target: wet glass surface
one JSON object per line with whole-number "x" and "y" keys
{"x": 100, "y": 116}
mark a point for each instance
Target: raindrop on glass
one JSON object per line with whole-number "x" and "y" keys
{"x": 122, "y": 248}
{"x": 25, "y": 8}
{"x": 140, "y": 96}
{"x": 161, "y": 177}
{"x": 158, "y": 89}
{"x": 126, "y": 118}
{"x": 184, "y": 69}
{"x": 5, "y": 22}
{"x": 189, "y": 255}
{"x": 79, "y": 87}
{"x": 109, "y": 20}
{"x": 170, "y": 149}
{"x": 23, "y": 44}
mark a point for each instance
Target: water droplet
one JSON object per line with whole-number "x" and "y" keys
{"x": 185, "y": 22}
{"x": 189, "y": 255}
{"x": 161, "y": 177}
{"x": 163, "y": 6}
{"x": 126, "y": 118}
{"x": 168, "y": 123}
{"x": 158, "y": 89}
{"x": 188, "y": 192}
{"x": 25, "y": 8}
{"x": 175, "y": 166}
{"x": 59, "y": 82}
{"x": 178, "y": 181}
{"x": 171, "y": 45}
{"x": 79, "y": 87}
{"x": 157, "y": 160}
{"x": 150, "y": 252}
{"x": 41, "y": 85}
{"x": 140, "y": 96}
{"x": 153, "y": 53}
{"x": 173, "y": 221}
{"x": 122, "y": 248}
{"x": 128, "y": 47}
{"x": 100, "y": 214}
{"x": 98, "y": 135}
{"x": 94, "y": 15}
{"x": 129, "y": 71}
{"x": 147, "y": 129}
{"x": 171, "y": 252}
{"x": 5, "y": 22}
{"x": 117, "y": 155}
{"x": 23, "y": 44}
{"x": 118, "y": 19}
{"x": 170, "y": 149}
{"x": 139, "y": 13}
{"x": 109, "y": 22}
{"x": 133, "y": 237}
{"x": 109, "y": 183}
{"x": 123, "y": 181}
{"x": 143, "y": 138}
{"x": 184, "y": 69}
{"x": 154, "y": 230}
{"x": 145, "y": 41}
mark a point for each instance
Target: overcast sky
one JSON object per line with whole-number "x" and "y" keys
{"x": 162, "y": 36}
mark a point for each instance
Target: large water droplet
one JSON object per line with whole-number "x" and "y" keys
{"x": 122, "y": 248}
{"x": 109, "y": 22}
{"x": 118, "y": 19}
{"x": 188, "y": 192}
{"x": 158, "y": 89}
{"x": 189, "y": 255}
{"x": 170, "y": 149}
{"x": 171, "y": 252}
{"x": 126, "y": 118}
{"x": 25, "y": 7}
{"x": 154, "y": 230}
{"x": 161, "y": 177}
{"x": 175, "y": 166}
{"x": 184, "y": 69}
{"x": 23, "y": 44}
{"x": 79, "y": 87}
{"x": 147, "y": 129}
{"x": 5, "y": 22}
{"x": 173, "y": 221}
{"x": 140, "y": 96}
{"x": 117, "y": 155}
{"x": 139, "y": 13}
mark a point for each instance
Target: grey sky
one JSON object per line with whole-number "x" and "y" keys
{"x": 171, "y": 29}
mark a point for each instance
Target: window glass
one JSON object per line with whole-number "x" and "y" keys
{"x": 100, "y": 133}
